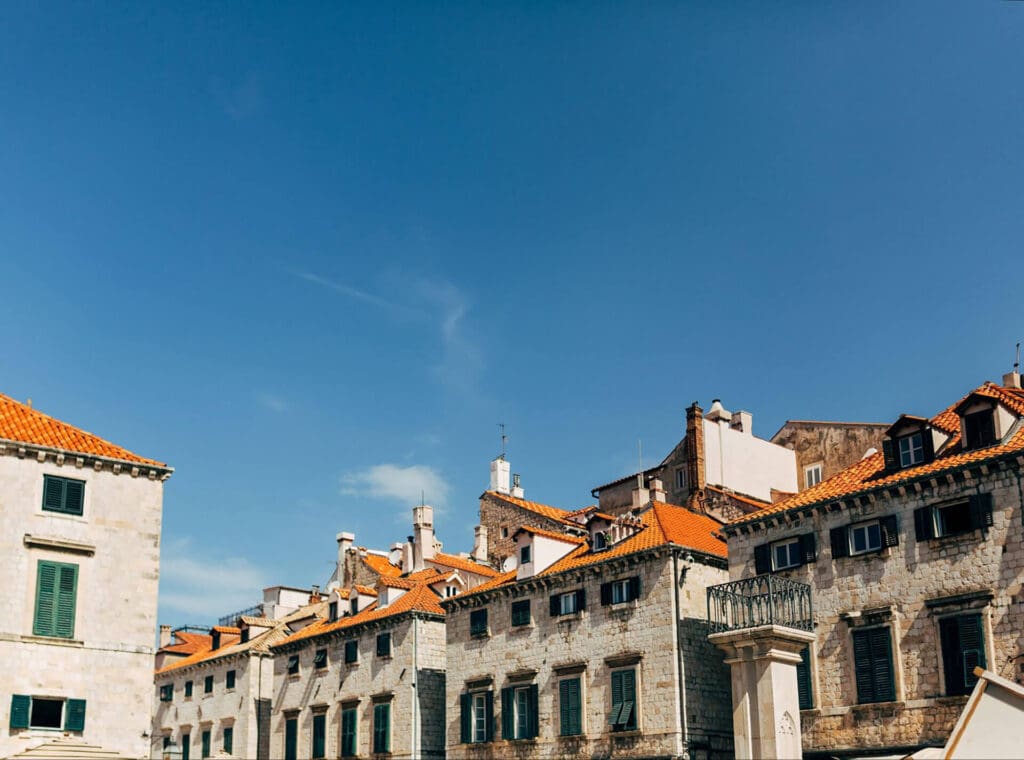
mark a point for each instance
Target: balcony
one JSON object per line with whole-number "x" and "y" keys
{"x": 762, "y": 600}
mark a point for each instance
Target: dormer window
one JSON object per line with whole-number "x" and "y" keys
{"x": 911, "y": 441}
{"x": 979, "y": 429}
{"x": 525, "y": 554}
{"x": 911, "y": 449}
{"x": 600, "y": 540}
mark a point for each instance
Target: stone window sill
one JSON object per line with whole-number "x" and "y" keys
{"x": 56, "y": 641}
{"x": 867, "y": 707}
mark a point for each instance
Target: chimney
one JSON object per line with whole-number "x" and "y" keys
{"x": 28, "y": 403}
{"x": 517, "y": 489}
{"x": 345, "y": 541}
{"x": 480, "y": 543}
{"x": 407, "y": 555}
{"x": 657, "y": 490}
{"x": 743, "y": 422}
{"x": 314, "y": 594}
{"x": 718, "y": 412}
{"x": 640, "y": 494}
{"x": 423, "y": 535}
{"x": 499, "y": 475}
{"x": 695, "y": 474}
{"x": 165, "y": 636}
{"x": 395, "y": 555}
{"x": 1011, "y": 379}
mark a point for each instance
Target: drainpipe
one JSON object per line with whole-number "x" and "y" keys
{"x": 415, "y": 686}
{"x": 680, "y": 671}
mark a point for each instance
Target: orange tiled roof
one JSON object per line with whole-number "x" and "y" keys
{"x": 421, "y": 599}
{"x": 552, "y": 513}
{"x": 228, "y": 629}
{"x": 564, "y": 537}
{"x": 188, "y": 643}
{"x": 381, "y": 565}
{"x": 23, "y": 424}
{"x": 366, "y": 590}
{"x": 430, "y": 575}
{"x": 461, "y": 563}
{"x": 740, "y": 497}
{"x": 870, "y": 473}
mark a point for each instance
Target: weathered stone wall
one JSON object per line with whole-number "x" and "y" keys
{"x": 597, "y": 641}
{"x": 893, "y": 586}
{"x": 836, "y": 445}
{"x": 359, "y": 683}
{"x": 497, "y": 514}
{"x": 108, "y": 661}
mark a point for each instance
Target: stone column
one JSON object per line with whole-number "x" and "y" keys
{"x": 765, "y": 703}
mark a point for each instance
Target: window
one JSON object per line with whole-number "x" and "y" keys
{"x": 167, "y": 741}
{"x": 208, "y": 685}
{"x": 866, "y": 537}
{"x": 332, "y": 611}
{"x": 229, "y": 680}
{"x": 812, "y": 475}
{"x": 320, "y": 659}
{"x": 382, "y": 727}
{"x": 206, "y": 744}
{"x": 293, "y": 664}
{"x": 56, "y": 589}
{"x": 787, "y": 553}
{"x": 319, "y": 735}
{"x": 525, "y": 555}
{"x": 568, "y": 603}
{"x": 229, "y": 739}
{"x": 351, "y": 651}
{"x": 478, "y": 623}
{"x": 805, "y": 694}
{"x": 353, "y": 605}
{"x": 39, "y": 712}
{"x": 872, "y": 660}
{"x": 291, "y": 738}
{"x": 963, "y": 650}
{"x": 617, "y": 592}
{"x": 953, "y": 519}
{"x": 521, "y": 612}
{"x": 63, "y": 495}
{"x": 384, "y": 645}
{"x": 167, "y": 692}
{"x": 519, "y": 712}
{"x": 245, "y": 635}
{"x": 600, "y": 540}
{"x": 477, "y": 716}
{"x": 348, "y": 732}
{"x": 911, "y": 449}
{"x": 186, "y": 746}
{"x": 504, "y": 531}
{"x": 680, "y": 479}
{"x": 450, "y": 591}
{"x": 623, "y": 715}
{"x": 979, "y": 429}
{"x": 188, "y": 689}
{"x": 570, "y": 707}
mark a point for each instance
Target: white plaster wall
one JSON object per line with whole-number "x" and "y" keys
{"x": 746, "y": 464}
{"x": 545, "y": 553}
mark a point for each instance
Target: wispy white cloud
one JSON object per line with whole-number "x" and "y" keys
{"x": 192, "y": 593}
{"x": 393, "y": 482}
{"x": 357, "y": 294}
{"x": 271, "y": 401}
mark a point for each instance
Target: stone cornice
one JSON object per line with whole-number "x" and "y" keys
{"x": 358, "y": 629}
{"x": 79, "y": 460}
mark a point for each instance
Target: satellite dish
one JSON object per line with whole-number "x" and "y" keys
{"x": 507, "y": 564}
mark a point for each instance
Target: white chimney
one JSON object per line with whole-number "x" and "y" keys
{"x": 657, "y": 490}
{"x": 480, "y": 543}
{"x": 345, "y": 541}
{"x": 1011, "y": 379}
{"x": 499, "y": 475}
{"x": 423, "y": 535}
{"x": 641, "y": 496}
{"x": 717, "y": 412}
{"x": 165, "y": 636}
{"x": 395, "y": 555}
{"x": 517, "y": 489}
{"x": 743, "y": 422}
{"x": 408, "y": 556}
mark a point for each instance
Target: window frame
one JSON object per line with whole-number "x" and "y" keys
{"x": 320, "y": 659}
{"x": 817, "y": 470}
{"x": 632, "y": 715}
{"x": 351, "y": 651}
{"x": 518, "y": 619}
{"x": 381, "y": 738}
{"x": 229, "y": 679}
{"x": 208, "y": 685}
{"x": 350, "y": 733}
{"x": 167, "y": 692}
{"x": 54, "y": 616}
{"x": 568, "y": 604}
{"x": 291, "y": 737}
{"x": 478, "y": 623}
{"x": 62, "y": 507}
{"x": 941, "y": 520}
{"x": 792, "y": 541}
{"x": 972, "y": 431}
{"x": 384, "y": 652}
{"x": 865, "y": 526}
{"x": 478, "y": 717}
{"x": 292, "y": 666}
{"x": 227, "y": 739}
{"x": 914, "y": 454}
{"x": 188, "y": 689}
{"x": 205, "y": 743}
{"x": 525, "y": 554}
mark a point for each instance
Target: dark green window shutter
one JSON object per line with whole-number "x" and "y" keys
{"x": 489, "y": 716}
{"x": 808, "y": 548}
{"x": 927, "y": 445}
{"x": 229, "y": 680}
{"x": 762, "y": 559}
{"x": 508, "y": 727}
{"x": 981, "y": 510}
{"x": 521, "y": 612}
{"x": 21, "y": 704}
{"x": 291, "y": 739}
{"x": 188, "y": 688}
{"x": 186, "y": 747}
{"x": 872, "y": 654}
{"x": 74, "y": 496}
{"x": 53, "y": 494}
{"x": 382, "y": 727}
{"x": 606, "y": 594}
{"x": 478, "y": 622}
{"x": 889, "y": 455}
{"x": 46, "y": 598}
{"x": 348, "y": 732}
{"x": 384, "y": 645}
{"x": 634, "y": 587}
{"x": 319, "y": 735}
{"x": 581, "y": 600}
{"x": 805, "y": 694}
{"x": 616, "y": 698}
{"x": 569, "y": 707}
{"x": 555, "y": 607}
{"x": 56, "y": 587}
{"x": 206, "y": 744}
{"x": 63, "y": 495}
{"x": 67, "y": 587}
{"x": 628, "y": 716}
{"x": 889, "y": 531}
{"x": 963, "y": 649}
{"x": 466, "y": 717}
{"x": 924, "y": 524}
{"x": 352, "y": 651}
{"x": 532, "y": 723}
{"x": 840, "y": 542}
{"x": 229, "y": 739}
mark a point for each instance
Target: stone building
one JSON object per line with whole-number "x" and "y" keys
{"x": 212, "y": 694}
{"x": 80, "y": 541}
{"x": 915, "y": 558}
{"x": 824, "y": 448}
{"x": 594, "y": 644}
{"x": 501, "y": 514}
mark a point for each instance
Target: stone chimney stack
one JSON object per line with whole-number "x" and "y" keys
{"x": 657, "y": 490}
{"x": 499, "y": 475}
{"x": 742, "y": 422}
{"x": 423, "y": 536}
{"x": 640, "y": 494}
{"x": 695, "y": 472}
{"x": 165, "y": 636}
{"x": 517, "y": 489}
{"x": 345, "y": 541}
{"x": 480, "y": 543}
{"x": 1011, "y": 379}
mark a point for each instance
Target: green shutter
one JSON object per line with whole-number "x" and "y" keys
{"x": 616, "y": 697}
{"x": 319, "y": 735}
{"x": 74, "y": 491}
{"x": 881, "y": 652}
{"x": 206, "y": 744}
{"x": 489, "y": 716}
{"x": 21, "y": 704}
{"x": 382, "y": 728}
{"x": 229, "y": 739}
{"x": 508, "y": 727}
{"x": 186, "y": 746}
{"x": 53, "y": 493}
{"x": 466, "y": 717}
{"x": 56, "y": 587}
{"x": 291, "y": 739}
{"x": 805, "y": 694}
{"x": 569, "y": 707}
{"x": 46, "y": 597}
{"x": 532, "y": 726}
{"x": 628, "y": 715}
{"x": 67, "y": 586}
{"x": 348, "y": 732}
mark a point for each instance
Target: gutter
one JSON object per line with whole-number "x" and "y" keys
{"x": 680, "y": 669}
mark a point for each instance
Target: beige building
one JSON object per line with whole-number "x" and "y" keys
{"x": 593, "y": 643}
{"x": 824, "y": 448}
{"x": 915, "y": 558}
{"x": 80, "y": 540}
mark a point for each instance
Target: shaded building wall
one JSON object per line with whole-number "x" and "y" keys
{"x": 835, "y": 445}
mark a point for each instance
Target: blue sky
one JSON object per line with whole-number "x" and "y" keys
{"x": 312, "y": 256}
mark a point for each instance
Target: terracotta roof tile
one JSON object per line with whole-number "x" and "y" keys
{"x": 461, "y": 563}
{"x": 188, "y": 643}
{"x": 365, "y": 590}
{"x": 23, "y": 424}
{"x": 740, "y": 497}
{"x": 565, "y": 537}
{"x": 870, "y": 473}
{"x": 552, "y": 513}
{"x": 381, "y": 565}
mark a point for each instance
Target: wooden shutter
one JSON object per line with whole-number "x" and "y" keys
{"x": 862, "y": 667}
{"x": 606, "y": 594}
{"x": 555, "y": 608}
{"x": 927, "y": 444}
{"x": 616, "y": 698}
{"x": 229, "y": 738}
{"x": 628, "y": 716}
{"x": 881, "y": 655}
{"x": 805, "y": 696}
{"x": 348, "y": 732}
{"x": 924, "y": 524}
{"x": 532, "y": 722}
{"x": 291, "y": 740}
{"x": 382, "y": 728}
{"x": 581, "y": 600}
{"x": 981, "y": 510}
{"x": 508, "y": 724}
{"x": 53, "y": 493}
{"x": 808, "y": 548}
{"x": 569, "y": 707}
{"x": 972, "y": 648}
{"x": 46, "y": 599}
{"x": 762, "y": 559}
{"x": 840, "y": 542}
{"x": 21, "y": 705}
{"x": 74, "y": 493}
{"x": 889, "y": 454}
{"x": 466, "y": 717}
{"x": 206, "y": 746}
{"x": 634, "y": 587}
{"x": 67, "y": 586}
{"x": 889, "y": 530}
{"x": 489, "y": 716}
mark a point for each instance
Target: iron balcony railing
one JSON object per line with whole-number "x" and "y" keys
{"x": 232, "y": 619}
{"x": 762, "y": 600}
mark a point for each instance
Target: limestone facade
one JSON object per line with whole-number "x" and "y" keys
{"x": 89, "y": 674}
{"x": 827, "y": 446}
{"x": 503, "y": 514}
